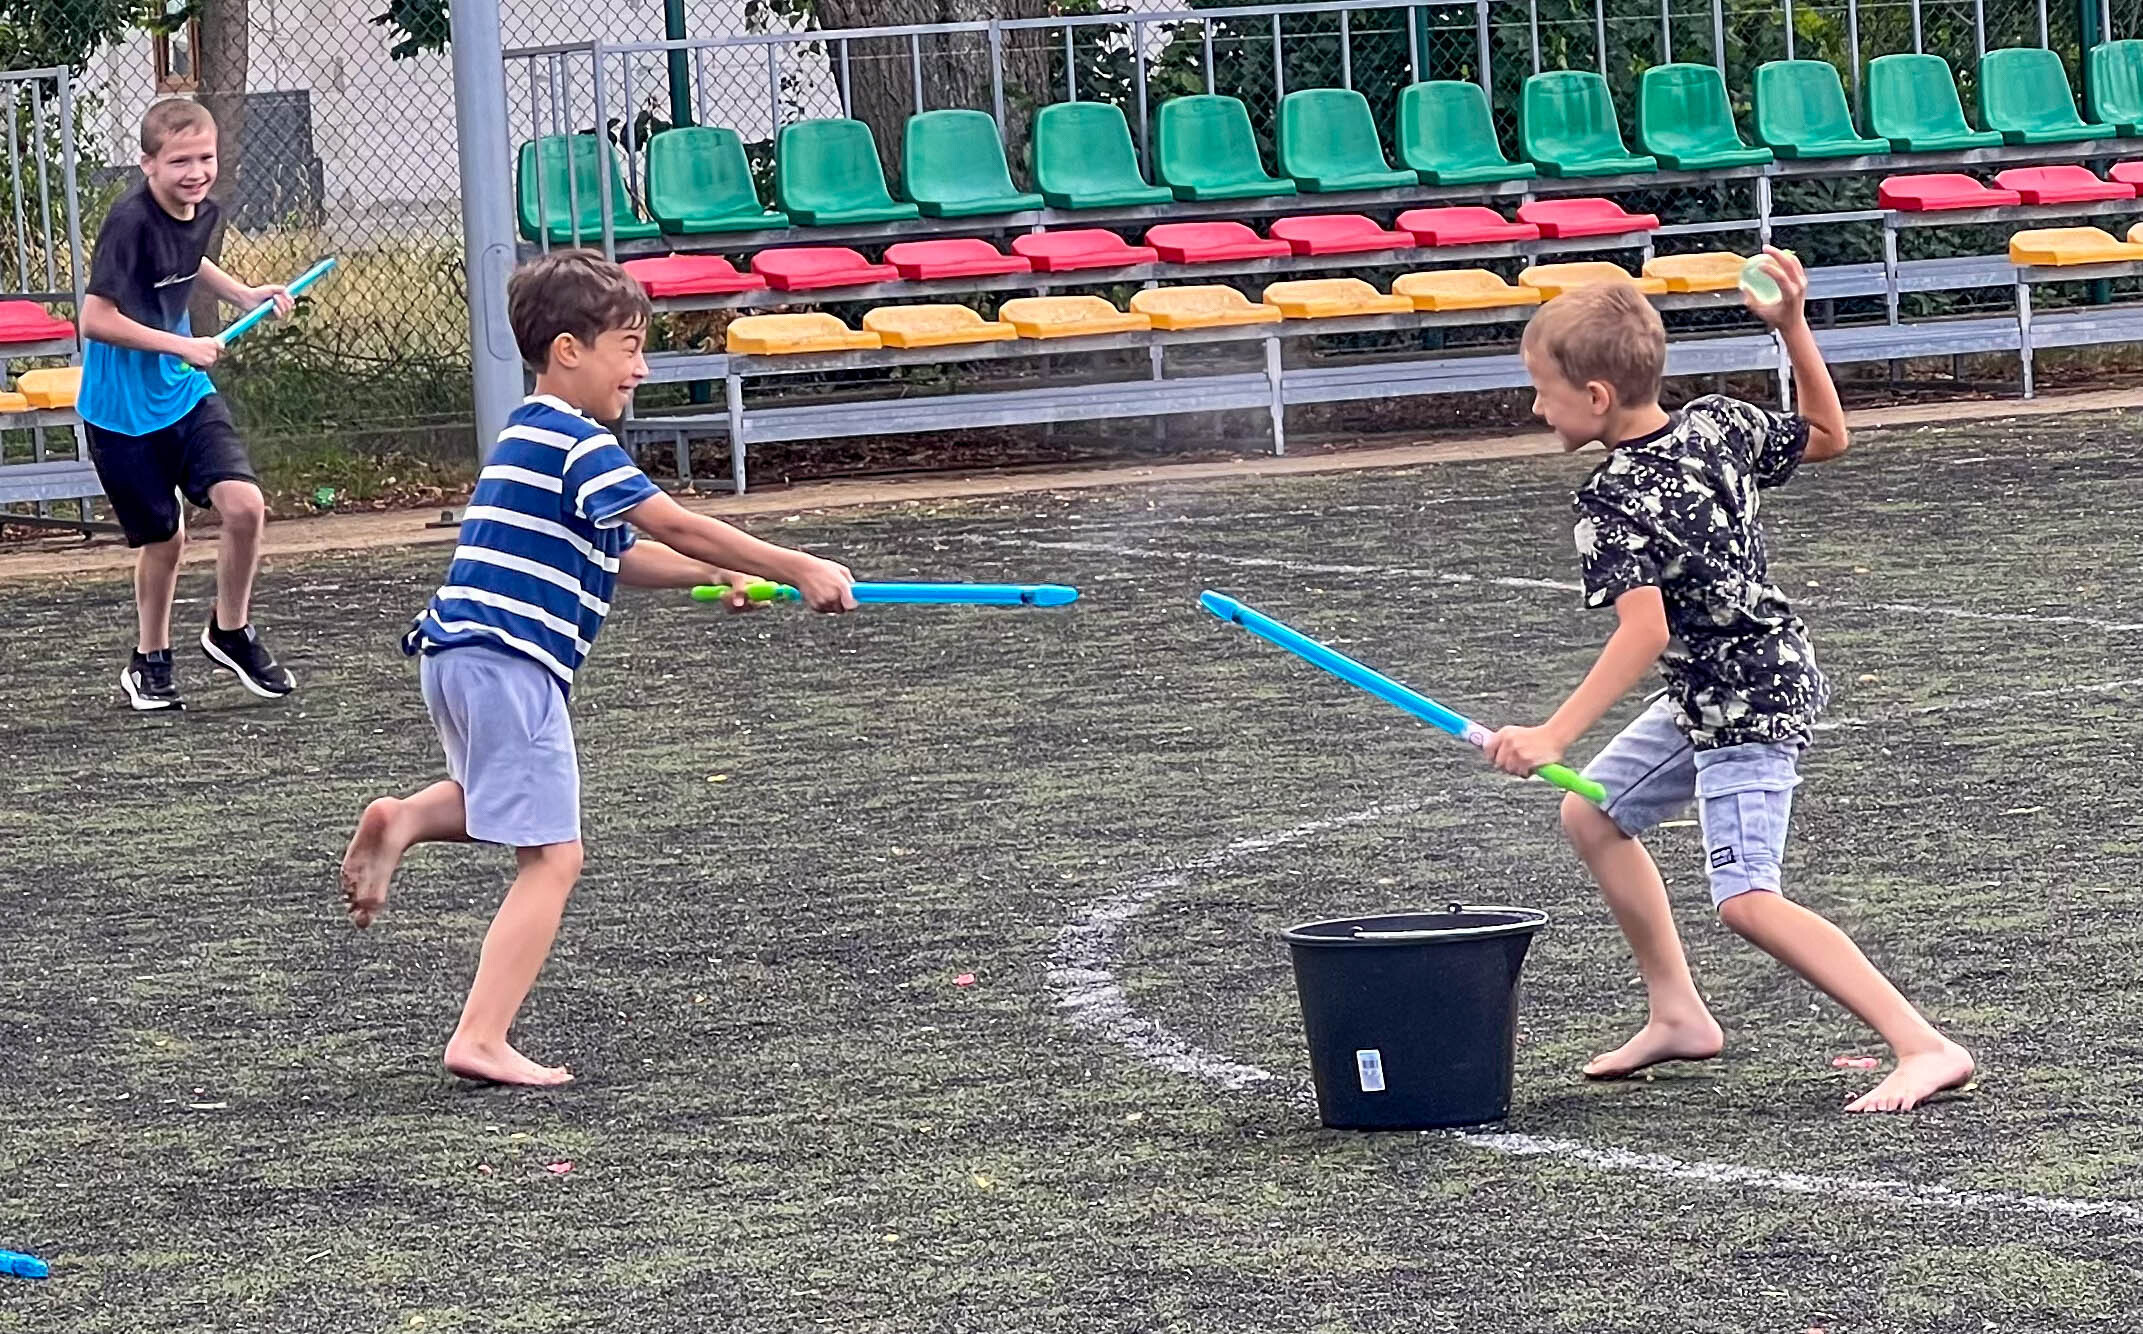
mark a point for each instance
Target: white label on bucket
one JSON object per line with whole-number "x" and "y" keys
{"x": 1370, "y": 1066}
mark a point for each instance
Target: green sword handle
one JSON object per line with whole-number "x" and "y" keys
{"x": 756, "y": 591}
{"x": 1569, "y": 780}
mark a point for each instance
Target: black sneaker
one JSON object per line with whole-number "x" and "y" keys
{"x": 241, "y": 653}
{"x": 147, "y": 682}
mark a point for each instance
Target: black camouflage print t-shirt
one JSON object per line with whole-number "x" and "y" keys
{"x": 1676, "y": 510}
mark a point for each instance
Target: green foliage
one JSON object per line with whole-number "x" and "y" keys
{"x": 419, "y": 27}
{"x": 39, "y": 33}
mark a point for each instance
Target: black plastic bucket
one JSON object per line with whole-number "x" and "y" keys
{"x": 1412, "y": 1018}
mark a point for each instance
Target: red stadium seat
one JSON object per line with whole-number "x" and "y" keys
{"x": 1561, "y": 218}
{"x": 969, "y": 257}
{"x": 1080, "y": 248}
{"x": 1338, "y": 234}
{"x": 1940, "y": 192}
{"x": 2128, "y": 173}
{"x": 1467, "y": 225}
{"x": 804, "y": 268}
{"x": 28, "y": 322}
{"x": 2061, "y": 185}
{"x": 690, "y": 275}
{"x": 1211, "y": 242}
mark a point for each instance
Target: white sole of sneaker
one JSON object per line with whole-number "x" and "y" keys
{"x": 142, "y": 703}
{"x": 223, "y": 660}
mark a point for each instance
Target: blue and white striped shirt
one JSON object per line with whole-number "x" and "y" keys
{"x": 540, "y": 542}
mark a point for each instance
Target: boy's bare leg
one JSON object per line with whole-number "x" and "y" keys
{"x": 514, "y": 950}
{"x": 244, "y": 514}
{"x": 156, "y": 583}
{"x": 389, "y": 828}
{"x": 1679, "y": 1026}
{"x": 1806, "y": 942}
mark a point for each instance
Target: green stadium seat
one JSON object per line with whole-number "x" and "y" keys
{"x": 2024, "y": 93}
{"x": 1447, "y": 136}
{"x": 1684, "y": 120}
{"x": 953, "y": 166}
{"x": 826, "y": 173}
{"x": 1912, "y": 102}
{"x": 1328, "y": 142}
{"x": 2114, "y": 79}
{"x": 698, "y": 181}
{"x": 1083, "y": 159}
{"x": 1208, "y": 151}
{"x": 584, "y": 186}
{"x": 1566, "y": 125}
{"x": 1801, "y": 112}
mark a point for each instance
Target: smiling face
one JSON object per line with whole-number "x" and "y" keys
{"x": 599, "y": 377}
{"x": 182, "y": 170}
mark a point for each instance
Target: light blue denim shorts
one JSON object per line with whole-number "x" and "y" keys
{"x": 509, "y": 744}
{"x": 1744, "y": 796}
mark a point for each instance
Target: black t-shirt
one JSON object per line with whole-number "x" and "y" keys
{"x": 146, "y": 260}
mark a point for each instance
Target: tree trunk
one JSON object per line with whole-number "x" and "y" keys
{"x": 222, "y": 63}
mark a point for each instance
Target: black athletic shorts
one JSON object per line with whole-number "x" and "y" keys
{"x": 144, "y": 475}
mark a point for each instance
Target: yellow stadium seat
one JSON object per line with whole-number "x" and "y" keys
{"x": 10, "y": 402}
{"x": 1552, "y": 280}
{"x": 55, "y": 388}
{"x": 785, "y": 335}
{"x": 1712, "y": 271}
{"x": 1200, "y": 307}
{"x": 2073, "y": 245}
{"x": 1331, "y": 298}
{"x": 1069, "y": 317}
{"x": 934, "y": 326}
{"x": 1462, "y": 289}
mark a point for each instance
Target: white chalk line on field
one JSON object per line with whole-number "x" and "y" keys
{"x": 1083, "y": 973}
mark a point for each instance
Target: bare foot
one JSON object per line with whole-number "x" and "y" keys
{"x": 369, "y": 864}
{"x": 1917, "y": 1078}
{"x": 1656, "y": 1042}
{"x": 499, "y": 1063}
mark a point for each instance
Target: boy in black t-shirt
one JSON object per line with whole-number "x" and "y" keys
{"x": 157, "y": 428}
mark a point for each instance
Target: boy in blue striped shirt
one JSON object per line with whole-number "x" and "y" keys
{"x": 549, "y": 533}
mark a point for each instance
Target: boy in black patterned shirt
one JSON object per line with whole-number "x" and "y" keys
{"x": 1668, "y": 530}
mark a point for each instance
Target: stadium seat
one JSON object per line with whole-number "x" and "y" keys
{"x": 1069, "y": 317}
{"x": 1338, "y": 234}
{"x": 1207, "y": 150}
{"x": 1467, "y": 224}
{"x": 1447, "y": 136}
{"x": 2127, "y": 173}
{"x": 789, "y": 335}
{"x": 2061, "y": 185}
{"x": 1212, "y": 242}
{"x": 934, "y": 326}
{"x": 12, "y": 402}
{"x": 1560, "y": 219}
{"x": 1801, "y": 112}
{"x": 2024, "y": 93}
{"x": 1200, "y": 308}
{"x": 28, "y": 322}
{"x": 1712, "y": 271}
{"x": 690, "y": 275}
{"x": 700, "y": 181}
{"x": 1328, "y": 142}
{"x": 1083, "y": 158}
{"x": 967, "y": 257}
{"x": 953, "y": 166}
{"x": 1939, "y": 192}
{"x": 826, "y": 173}
{"x": 1333, "y": 298}
{"x": 810, "y": 267}
{"x": 52, "y": 388}
{"x": 1462, "y": 289}
{"x": 1566, "y": 123}
{"x": 1684, "y": 120}
{"x": 1553, "y": 280}
{"x": 2063, "y": 246}
{"x": 1080, "y": 248}
{"x": 580, "y": 184}
{"x": 1912, "y": 102}
{"x": 2114, "y": 84}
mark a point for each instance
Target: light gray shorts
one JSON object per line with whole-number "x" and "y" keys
{"x": 509, "y": 744}
{"x": 1744, "y": 796}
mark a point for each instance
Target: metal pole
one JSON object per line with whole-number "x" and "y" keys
{"x": 997, "y": 73}
{"x": 1789, "y": 27}
{"x": 1145, "y": 132}
{"x": 1718, "y": 34}
{"x": 733, "y": 391}
{"x": 1917, "y": 42}
{"x": 1532, "y": 10}
{"x": 1279, "y": 71}
{"x": 915, "y": 62}
{"x": 1480, "y": 39}
{"x": 562, "y": 112}
{"x": 1071, "y": 67}
{"x": 1852, "y": 42}
{"x": 1599, "y": 32}
{"x": 1346, "y": 53}
{"x": 74, "y": 196}
{"x": 15, "y": 175}
{"x": 1666, "y": 32}
{"x": 1413, "y": 44}
{"x": 773, "y": 87}
{"x": 605, "y": 160}
{"x": 486, "y": 210}
{"x": 847, "y": 105}
{"x": 1979, "y": 27}
{"x": 1205, "y": 29}
{"x": 673, "y": 29}
{"x": 699, "y": 80}
{"x": 2024, "y": 334}
{"x": 44, "y": 186}
{"x": 626, "y": 129}
{"x": 535, "y": 141}
{"x": 2042, "y": 24}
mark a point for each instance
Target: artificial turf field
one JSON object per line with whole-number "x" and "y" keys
{"x": 223, "y": 1109}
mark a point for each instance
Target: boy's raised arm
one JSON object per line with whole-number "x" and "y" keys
{"x": 1640, "y": 637}
{"x": 1818, "y": 396}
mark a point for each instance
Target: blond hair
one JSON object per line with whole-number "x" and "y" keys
{"x": 170, "y": 118}
{"x": 1606, "y": 332}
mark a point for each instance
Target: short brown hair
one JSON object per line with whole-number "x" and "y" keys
{"x": 169, "y": 118}
{"x": 575, "y": 292}
{"x": 1606, "y": 332}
